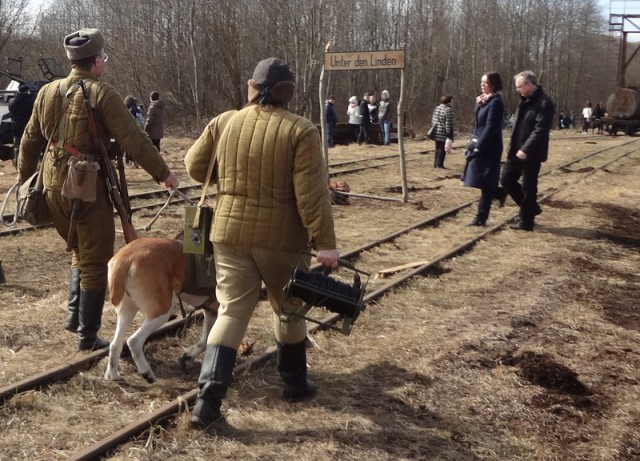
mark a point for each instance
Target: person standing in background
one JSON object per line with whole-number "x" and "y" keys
{"x": 154, "y": 124}
{"x": 587, "y": 114}
{"x": 482, "y": 170}
{"x": 443, "y": 118}
{"x": 373, "y": 109}
{"x": 598, "y": 113}
{"x": 331, "y": 118}
{"x": 366, "y": 119}
{"x": 20, "y": 108}
{"x": 386, "y": 112}
{"x": 355, "y": 119}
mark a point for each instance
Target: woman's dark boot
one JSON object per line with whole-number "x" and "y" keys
{"x": 292, "y": 366}
{"x": 90, "y": 319}
{"x": 477, "y": 222}
{"x": 73, "y": 305}
{"x": 216, "y": 374}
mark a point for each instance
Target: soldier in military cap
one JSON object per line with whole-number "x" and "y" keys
{"x": 67, "y": 135}
{"x": 272, "y": 205}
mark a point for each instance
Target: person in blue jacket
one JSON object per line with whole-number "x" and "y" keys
{"x": 331, "y": 119}
{"x": 482, "y": 169}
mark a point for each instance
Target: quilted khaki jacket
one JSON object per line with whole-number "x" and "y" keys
{"x": 113, "y": 120}
{"x": 271, "y": 180}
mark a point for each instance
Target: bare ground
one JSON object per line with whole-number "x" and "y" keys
{"x": 525, "y": 348}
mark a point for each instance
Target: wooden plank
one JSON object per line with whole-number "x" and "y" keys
{"x": 391, "y": 270}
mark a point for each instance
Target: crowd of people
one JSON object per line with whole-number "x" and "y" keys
{"x": 262, "y": 231}
{"x": 362, "y": 114}
{"x": 591, "y": 118}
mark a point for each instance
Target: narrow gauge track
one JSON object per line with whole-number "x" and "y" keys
{"x": 558, "y": 181}
{"x": 336, "y": 169}
{"x": 144, "y": 197}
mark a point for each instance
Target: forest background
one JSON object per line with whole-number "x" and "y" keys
{"x": 199, "y": 54}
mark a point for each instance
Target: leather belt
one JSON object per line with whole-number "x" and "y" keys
{"x": 67, "y": 147}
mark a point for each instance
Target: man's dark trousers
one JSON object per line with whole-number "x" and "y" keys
{"x": 526, "y": 195}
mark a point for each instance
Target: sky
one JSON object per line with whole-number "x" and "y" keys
{"x": 607, "y": 6}
{"x": 632, "y": 26}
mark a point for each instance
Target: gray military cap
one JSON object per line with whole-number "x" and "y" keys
{"x": 84, "y": 43}
{"x": 270, "y": 71}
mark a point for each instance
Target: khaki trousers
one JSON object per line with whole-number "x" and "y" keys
{"x": 95, "y": 236}
{"x": 239, "y": 273}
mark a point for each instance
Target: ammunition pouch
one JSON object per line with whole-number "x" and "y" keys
{"x": 82, "y": 179}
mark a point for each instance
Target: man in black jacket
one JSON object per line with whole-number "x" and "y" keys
{"x": 528, "y": 148}
{"x": 20, "y": 108}
{"x": 366, "y": 119}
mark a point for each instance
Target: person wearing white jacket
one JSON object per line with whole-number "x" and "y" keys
{"x": 355, "y": 118}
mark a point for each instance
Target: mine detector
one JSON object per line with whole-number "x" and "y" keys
{"x": 50, "y": 69}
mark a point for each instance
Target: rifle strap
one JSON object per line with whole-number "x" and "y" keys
{"x": 66, "y": 97}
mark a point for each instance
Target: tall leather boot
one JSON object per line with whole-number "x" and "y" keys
{"x": 90, "y": 318}
{"x": 215, "y": 377}
{"x": 73, "y": 305}
{"x": 292, "y": 366}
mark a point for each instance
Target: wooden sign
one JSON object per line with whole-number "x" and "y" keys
{"x": 364, "y": 60}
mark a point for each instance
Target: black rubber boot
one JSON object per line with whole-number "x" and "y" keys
{"x": 72, "y": 321}
{"x": 90, "y": 319}
{"x": 215, "y": 377}
{"x": 292, "y": 366}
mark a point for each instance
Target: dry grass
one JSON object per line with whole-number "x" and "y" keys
{"x": 525, "y": 348}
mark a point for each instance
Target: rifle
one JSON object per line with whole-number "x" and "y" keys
{"x": 124, "y": 191}
{"x": 102, "y": 157}
{"x": 72, "y": 235}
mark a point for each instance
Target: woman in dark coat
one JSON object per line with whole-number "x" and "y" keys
{"x": 482, "y": 170}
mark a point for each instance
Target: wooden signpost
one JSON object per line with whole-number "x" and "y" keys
{"x": 366, "y": 60}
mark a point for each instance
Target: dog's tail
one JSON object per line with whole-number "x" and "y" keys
{"x": 118, "y": 273}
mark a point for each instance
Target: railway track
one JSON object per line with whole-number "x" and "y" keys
{"x": 553, "y": 180}
{"x": 142, "y": 200}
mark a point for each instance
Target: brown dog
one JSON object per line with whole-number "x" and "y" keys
{"x": 147, "y": 275}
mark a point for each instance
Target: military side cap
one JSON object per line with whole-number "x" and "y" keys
{"x": 270, "y": 71}
{"x": 84, "y": 43}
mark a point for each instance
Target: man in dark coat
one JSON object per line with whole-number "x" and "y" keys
{"x": 20, "y": 108}
{"x": 363, "y": 104}
{"x": 331, "y": 118}
{"x": 528, "y": 148}
{"x": 154, "y": 125}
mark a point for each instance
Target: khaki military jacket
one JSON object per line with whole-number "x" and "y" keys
{"x": 113, "y": 121}
{"x": 271, "y": 180}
